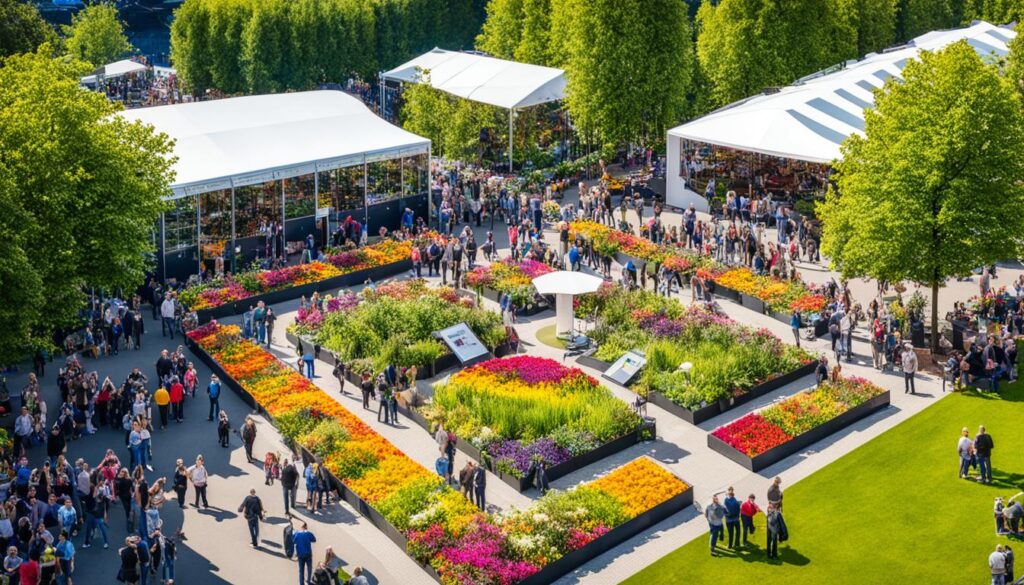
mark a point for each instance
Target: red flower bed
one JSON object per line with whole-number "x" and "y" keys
{"x": 752, "y": 434}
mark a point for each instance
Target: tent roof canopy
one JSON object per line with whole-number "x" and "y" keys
{"x": 501, "y": 83}
{"x": 565, "y": 282}
{"x": 245, "y": 140}
{"x": 115, "y": 69}
{"x": 810, "y": 119}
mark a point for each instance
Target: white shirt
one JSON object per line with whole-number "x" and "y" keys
{"x": 197, "y": 474}
{"x": 997, "y": 563}
{"x": 964, "y": 446}
{"x": 167, "y": 309}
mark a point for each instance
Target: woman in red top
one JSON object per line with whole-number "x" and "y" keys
{"x": 177, "y": 392}
{"x": 748, "y": 510}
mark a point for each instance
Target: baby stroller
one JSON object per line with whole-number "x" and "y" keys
{"x": 895, "y": 358}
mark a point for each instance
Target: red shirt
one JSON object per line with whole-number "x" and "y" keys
{"x": 177, "y": 392}
{"x": 28, "y": 572}
{"x": 749, "y": 508}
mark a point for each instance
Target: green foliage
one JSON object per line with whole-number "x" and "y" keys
{"x": 408, "y": 501}
{"x": 80, "y": 192}
{"x": 519, "y": 30}
{"x": 875, "y": 23}
{"x": 452, "y": 124}
{"x": 1014, "y": 66}
{"x": 279, "y": 45}
{"x": 939, "y": 160}
{"x": 629, "y": 65}
{"x": 293, "y": 425}
{"x": 22, "y": 29}
{"x": 561, "y": 510}
{"x": 994, "y": 11}
{"x": 325, "y": 438}
{"x": 745, "y": 46}
{"x": 353, "y": 462}
{"x": 96, "y": 35}
{"x": 916, "y": 17}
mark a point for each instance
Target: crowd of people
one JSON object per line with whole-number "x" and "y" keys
{"x": 737, "y": 517}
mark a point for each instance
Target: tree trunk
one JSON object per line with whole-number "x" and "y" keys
{"x": 935, "y": 317}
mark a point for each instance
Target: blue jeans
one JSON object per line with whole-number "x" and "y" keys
{"x": 254, "y": 530}
{"x": 985, "y": 468}
{"x": 144, "y": 452}
{"x": 65, "y": 571}
{"x": 261, "y": 333}
{"x": 167, "y": 324}
{"x": 168, "y": 570}
{"x": 998, "y": 579}
{"x": 716, "y": 533}
{"x": 965, "y": 466}
{"x": 143, "y": 573}
{"x": 309, "y": 367}
{"x": 136, "y": 455}
{"x": 91, "y": 524}
{"x": 305, "y": 568}
{"x": 996, "y": 374}
{"x": 214, "y": 407}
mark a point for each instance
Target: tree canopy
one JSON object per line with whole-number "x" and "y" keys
{"x": 80, "y": 194}
{"x": 22, "y": 29}
{"x": 277, "y": 45}
{"x": 96, "y": 35}
{"x": 939, "y": 160}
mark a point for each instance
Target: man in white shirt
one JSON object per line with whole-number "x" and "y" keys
{"x": 22, "y": 430}
{"x": 909, "y": 362}
{"x": 997, "y": 565}
{"x": 167, "y": 315}
{"x": 965, "y": 448}
{"x": 198, "y": 476}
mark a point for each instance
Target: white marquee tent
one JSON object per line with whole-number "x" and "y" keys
{"x": 115, "y": 69}
{"x": 809, "y": 119}
{"x": 505, "y": 84}
{"x": 245, "y": 140}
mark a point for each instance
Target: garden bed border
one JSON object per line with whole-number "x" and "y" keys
{"x": 801, "y": 441}
{"x": 293, "y": 292}
{"x": 547, "y": 574}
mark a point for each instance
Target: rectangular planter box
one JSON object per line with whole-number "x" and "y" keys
{"x": 327, "y": 356}
{"x": 753, "y": 303}
{"x": 294, "y": 292}
{"x": 714, "y": 409}
{"x": 491, "y": 294}
{"x": 800, "y": 442}
{"x": 555, "y": 471}
{"x": 592, "y": 362}
{"x": 726, "y": 293}
{"x": 548, "y": 573}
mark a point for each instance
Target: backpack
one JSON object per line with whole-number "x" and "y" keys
{"x": 289, "y": 541}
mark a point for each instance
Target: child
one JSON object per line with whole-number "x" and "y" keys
{"x": 223, "y": 428}
{"x": 271, "y": 467}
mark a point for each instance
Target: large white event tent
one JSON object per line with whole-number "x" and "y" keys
{"x": 112, "y": 70}
{"x": 506, "y": 84}
{"x": 277, "y": 149}
{"x": 808, "y": 120}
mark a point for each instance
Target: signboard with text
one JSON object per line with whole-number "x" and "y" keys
{"x": 463, "y": 343}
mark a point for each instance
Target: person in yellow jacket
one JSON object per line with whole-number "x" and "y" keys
{"x": 163, "y": 400}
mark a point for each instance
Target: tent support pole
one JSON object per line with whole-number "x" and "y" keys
{"x": 511, "y": 117}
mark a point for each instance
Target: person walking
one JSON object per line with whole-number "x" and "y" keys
{"x": 289, "y": 486}
{"x": 268, "y": 319}
{"x": 965, "y": 449}
{"x": 983, "y": 445}
{"x": 775, "y": 494}
{"x": 223, "y": 429}
{"x": 162, "y": 398}
{"x": 176, "y": 397}
{"x": 167, "y": 316}
{"x": 213, "y": 391}
{"x": 748, "y": 510}
{"x": 732, "y": 517}
{"x": 129, "y": 572}
{"x": 198, "y": 477}
{"x": 248, "y": 433}
{"x": 480, "y": 486}
{"x": 714, "y": 513}
{"x": 997, "y": 565}
{"x": 180, "y": 482}
{"x": 794, "y": 323}
{"x": 304, "y": 540}
{"x": 774, "y": 530}
{"x": 252, "y": 509}
{"x": 366, "y": 387}
{"x": 908, "y": 360}
{"x": 64, "y": 553}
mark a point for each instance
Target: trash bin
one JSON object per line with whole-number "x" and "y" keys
{"x": 917, "y": 333}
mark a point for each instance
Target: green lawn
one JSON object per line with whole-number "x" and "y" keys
{"x": 892, "y": 511}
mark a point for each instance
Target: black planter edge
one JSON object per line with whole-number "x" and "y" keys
{"x": 592, "y": 362}
{"x": 802, "y": 441}
{"x": 706, "y": 413}
{"x": 548, "y": 573}
{"x": 294, "y": 292}
{"x": 554, "y": 472}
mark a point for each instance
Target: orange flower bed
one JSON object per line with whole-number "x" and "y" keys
{"x": 640, "y": 485}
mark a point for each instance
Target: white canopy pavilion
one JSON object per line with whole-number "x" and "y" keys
{"x": 807, "y": 121}
{"x": 505, "y": 84}
{"x": 565, "y": 285}
{"x": 112, "y": 70}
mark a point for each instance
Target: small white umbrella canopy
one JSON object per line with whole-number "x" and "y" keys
{"x": 564, "y": 285}
{"x": 564, "y": 282}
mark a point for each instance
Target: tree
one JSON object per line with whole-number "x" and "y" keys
{"x": 96, "y": 35}
{"x": 22, "y": 29}
{"x": 629, "y": 65}
{"x": 916, "y": 17}
{"x": 926, "y": 193}
{"x": 80, "y": 195}
{"x": 875, "y": 23}
{"x": 1014, "y": 67}
{"x": 994, "y": 11}
{"x": 745, "y": 46}
{"x": 452, "y": 124}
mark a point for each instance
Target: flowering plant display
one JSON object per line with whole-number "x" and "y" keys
{"x": 219, "y": 291}
{"x": 464, "y": 545}
{"x": 511, "y": 277}
{"x": 778, "y": 423}
{"x": 395, "y": 324}
{"x": 728, "y": 358}
{"x": 522, "y": 408}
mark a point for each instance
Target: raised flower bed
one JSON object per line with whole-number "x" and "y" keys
{"x": 784, "y": 428}
{"x": 732, "y": 363}
{"x": 394, "y": 324}
{"x": 455, "y": 542}
{"x": 510, "y": 413}
{"x": 230, "y": 296}
{"x": 512, "y": 278}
